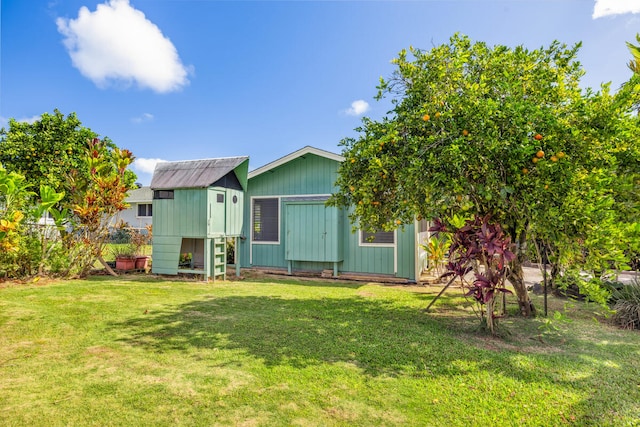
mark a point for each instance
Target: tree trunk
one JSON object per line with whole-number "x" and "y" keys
{"x": 516, "y": 278}
{"x": 106, "y": 266}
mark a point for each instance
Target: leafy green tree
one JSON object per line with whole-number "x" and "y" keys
{"x": 496, "y": 132}
{"x": 79, "y": 180}
{"x": 48, "y": 150}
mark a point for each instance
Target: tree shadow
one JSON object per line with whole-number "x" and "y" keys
{"x": 380, "y": 338}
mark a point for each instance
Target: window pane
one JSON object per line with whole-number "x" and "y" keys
{"x": 144, "y": 209}
{"x": 265, "y": 220}
{"x": 380, "y": 237}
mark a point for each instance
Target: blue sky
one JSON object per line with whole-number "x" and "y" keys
{"x": 191, "y": 79}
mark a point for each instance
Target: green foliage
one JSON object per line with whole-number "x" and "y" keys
{"x": 634, "y": 63}
{"x": 97, "y": 198}
{"x": 437, "y": 248}
{"x": 627, "y": 306}
{"x": 502, "y": 131}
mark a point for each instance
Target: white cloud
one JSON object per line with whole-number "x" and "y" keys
{"x": 145, "y": 117}
{"x": 358, "y": 108}
{"x": 117, "y": 44}
{"x": 5, "y": 121}
{"x": 145, "y": 165}
{"x": 615, "y": 7}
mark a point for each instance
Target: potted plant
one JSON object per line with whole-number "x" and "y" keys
{"x": 139, "y": 240}
{"x": 125, "y": 256}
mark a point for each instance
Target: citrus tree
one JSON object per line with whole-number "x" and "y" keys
{"x": 496, "y": 132}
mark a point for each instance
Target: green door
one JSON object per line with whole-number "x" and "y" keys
{"x": 216, "y": 215}
{"x": 311, "y": 232}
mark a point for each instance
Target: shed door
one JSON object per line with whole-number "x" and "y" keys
{"x": 311, "y": 232}
{"x": 216, "y": 212}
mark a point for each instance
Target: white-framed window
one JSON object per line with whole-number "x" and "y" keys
{"x": 378, "y": 238}
{"x": 145, "y": 209}
{"x": 265, "y": 220}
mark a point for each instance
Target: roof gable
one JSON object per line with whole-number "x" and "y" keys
{"x": 197, "y": 173}
{"x": 289, "y": 157}
{"x": 138, "y": 195}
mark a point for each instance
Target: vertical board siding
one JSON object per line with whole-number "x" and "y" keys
{"x": 184, "y": 215}
{"x": 315, "y": 175}
{"x": 406, "y": 252}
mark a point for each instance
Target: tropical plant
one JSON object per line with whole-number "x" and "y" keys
{"x": 96, "y": 199}
{"x": 627, "y": 305}
{"x": 437, "y": 248}
{"x": 482, "y": 248}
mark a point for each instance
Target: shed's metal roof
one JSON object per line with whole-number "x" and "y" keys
{"x": 193, "y": 173}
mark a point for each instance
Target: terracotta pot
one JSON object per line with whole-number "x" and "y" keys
{"x": 141, "y": 262}
{"x": 125, "y": 263}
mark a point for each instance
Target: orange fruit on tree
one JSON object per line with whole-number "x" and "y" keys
{"x": 353, "y": 160}
{"x": 398, "y": 222}
{"x": 540, "y": 154}
{"x": 465, "y": 132}
{"x": 352, "y": 188}
{"x": 437, "y": 114}
{"x": 554, "y": 159}
{"x": 426, "y": 117}
{"x": 525, "y": 171}
{"x": 535, "y": 160}
{"x": 560, "y": 154}
{"x": 537, "y": 137}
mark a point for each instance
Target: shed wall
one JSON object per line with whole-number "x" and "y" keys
{"x": 314, "y": 175}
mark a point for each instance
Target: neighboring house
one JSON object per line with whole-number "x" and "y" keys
{"x": 140, "y": 212}
{"x": 288, "y": 226}
{"x": 197, "y": 205}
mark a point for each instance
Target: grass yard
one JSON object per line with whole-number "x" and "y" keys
{"x": 140, "y": 351}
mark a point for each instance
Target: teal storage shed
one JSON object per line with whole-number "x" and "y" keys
{"x": 288, "y": 226}
{"x": 197, "y": 206}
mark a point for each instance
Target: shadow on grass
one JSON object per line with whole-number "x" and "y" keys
{"x": 385, "y": 339}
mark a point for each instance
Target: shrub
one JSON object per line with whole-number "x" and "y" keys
{"x": 627, "y": 306}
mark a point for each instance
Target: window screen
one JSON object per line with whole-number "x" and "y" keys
{"x": 265, "y": 220}
{"x": 162, "y": 194}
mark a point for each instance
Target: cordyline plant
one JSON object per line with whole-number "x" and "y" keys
{"x": 483, "y": 249}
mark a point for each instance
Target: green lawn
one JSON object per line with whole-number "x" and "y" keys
{"x": 136, "y": 351}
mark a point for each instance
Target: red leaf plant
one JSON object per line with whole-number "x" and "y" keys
{"x": 482, "y": 248}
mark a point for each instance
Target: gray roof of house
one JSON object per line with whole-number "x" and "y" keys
{"x": 193, "y": 173}
{"x": 142, "y": 194}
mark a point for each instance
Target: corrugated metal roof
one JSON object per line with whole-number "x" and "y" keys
{"x": 193, "y": 173}
{"x": 142, "y": 194}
